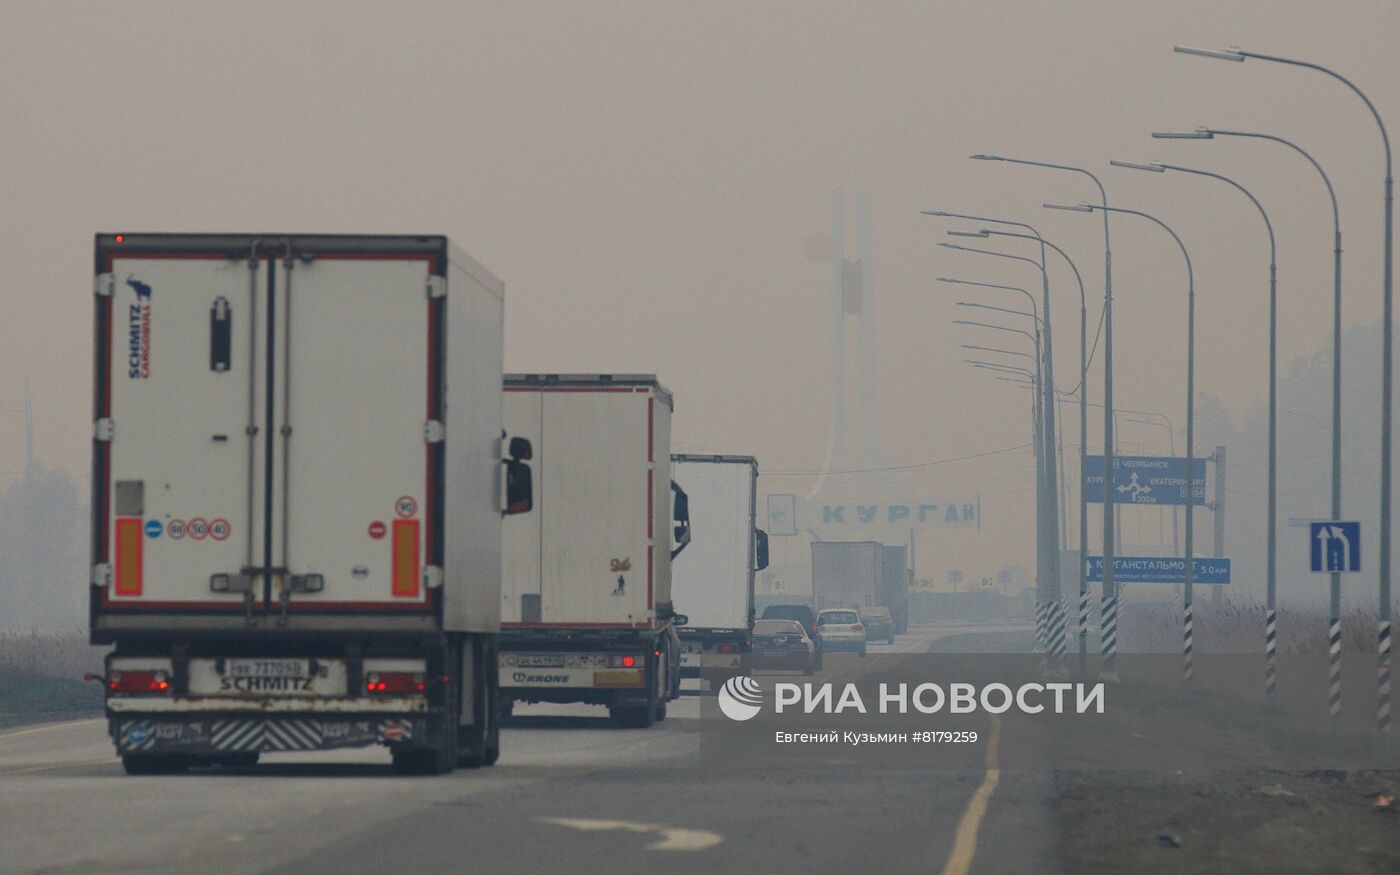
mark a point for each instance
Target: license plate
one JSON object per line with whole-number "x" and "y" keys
{"x": 267, "y": 677}
{"x": 544, "y": 661}
{"x": 267, "y": 668}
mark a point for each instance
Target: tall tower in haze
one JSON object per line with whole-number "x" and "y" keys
{"x": 855, "y": 420}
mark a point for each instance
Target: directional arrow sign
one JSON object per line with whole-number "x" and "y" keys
{"x": 1146, "y": 480}
{"x": 1336, "y": 547}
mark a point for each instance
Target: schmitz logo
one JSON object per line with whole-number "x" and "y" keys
{"x": 138, "y": 328}
{"x": 740, "y": 698}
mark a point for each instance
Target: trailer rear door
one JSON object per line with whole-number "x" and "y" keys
{"x": 268, "y": 432}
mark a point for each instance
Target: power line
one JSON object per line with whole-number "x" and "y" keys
{"x": 897, "y": 467}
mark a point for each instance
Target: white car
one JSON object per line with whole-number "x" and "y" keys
{"x": 841, "y": 630}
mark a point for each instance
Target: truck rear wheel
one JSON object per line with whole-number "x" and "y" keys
{"x": 633, "y": 716}
{"x": 155, "y": 764}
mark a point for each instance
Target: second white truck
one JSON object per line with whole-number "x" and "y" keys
{"x": 714, "y": 587}
{"x": 586, "y": 604}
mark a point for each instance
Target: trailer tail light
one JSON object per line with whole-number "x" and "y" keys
{"x": 128, "y": 570}
{"x": 726, "y": 648}
{"x": 138, "y": 681}
{"x": 629, "y": 661}
{"x": 394, "y": 682}
{"x": 406, "y": 571}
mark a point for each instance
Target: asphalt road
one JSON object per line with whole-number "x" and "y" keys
{"x": 570, "y": 794}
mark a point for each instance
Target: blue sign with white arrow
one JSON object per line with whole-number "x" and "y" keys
{"x": 1146, "y": 480}
{"x": 1336, "y": 547}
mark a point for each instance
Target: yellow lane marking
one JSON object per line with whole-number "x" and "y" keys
{"x": 50, "y": 726}
{"x": 965, "y": 842}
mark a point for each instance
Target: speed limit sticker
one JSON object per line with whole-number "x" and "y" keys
{"x": 175, "y": 529}
{"x": 219, "y": 529}
{"x": 406, "y": 506}
{"x": 198, "y": 528}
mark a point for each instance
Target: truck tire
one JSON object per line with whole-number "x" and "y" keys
{"x": 439, "y": 756}
{"x": 633, "y": 716}
{"x": 155, "y": 764}
{"x": 660, "y": 711}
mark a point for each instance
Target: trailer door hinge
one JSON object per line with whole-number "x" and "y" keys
{"x": 103, "y": 428}
{"x": 104, "y": 284}
{"x": 101, "y": 575}
{"x": 434, "y": 431}
{"x": 437, "y": 287}
{"x": 432, "y": 576}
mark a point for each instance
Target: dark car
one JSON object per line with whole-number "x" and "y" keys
{"x": 782, "y": 645}
{"x": 879, "y": 625}
{"x": 803, "y": 615}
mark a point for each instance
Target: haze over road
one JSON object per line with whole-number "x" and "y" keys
{"x": 567, "y": 795}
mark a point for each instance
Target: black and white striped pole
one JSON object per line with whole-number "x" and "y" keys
{"x": 1334, "y": 668}
{"x": 1270, "y": 652}
{"x": 1383, "y": 681}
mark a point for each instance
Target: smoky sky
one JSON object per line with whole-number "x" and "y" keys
{"x": 650, "y": 181}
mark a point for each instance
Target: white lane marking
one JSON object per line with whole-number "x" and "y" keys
{"x": 673, "y": 838}
{"x": 51, "y": 726}
{"x": 31, "y": 770}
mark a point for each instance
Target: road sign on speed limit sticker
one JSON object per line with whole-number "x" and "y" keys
{"x": 197, "y": 528}
{"x": 377, "y": 530}
{"x": 406, "y": 506}
{"x": 220, "y": 529}
{"x": 175, "y": 529}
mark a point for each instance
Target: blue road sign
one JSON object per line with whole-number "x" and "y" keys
{"x": 154, "y": 528}
{"x": 1336, "y": 546}
{"x": 1146, "y": 480}
{"x": 1161, "y": 569}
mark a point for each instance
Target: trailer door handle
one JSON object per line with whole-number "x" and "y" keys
{"x": 220, "y": 335}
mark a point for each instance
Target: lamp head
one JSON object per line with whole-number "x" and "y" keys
{"x": 987, "y": 158}
{"x": 1231, "y": 54}
{"x": 1077, "y": 208}
{"x": 1155, "y": 166}
{"x": 1197, "y": 134}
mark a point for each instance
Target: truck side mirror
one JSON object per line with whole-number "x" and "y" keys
{"x": 760, "y": 560}
{"x": 520, "y": 486}
{"x": 680, "y": 619}
{"x": 520, "y": 449}
{"x": 680, "y": 513}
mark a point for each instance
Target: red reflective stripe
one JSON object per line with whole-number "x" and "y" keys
{"x": 406, "y": 567}
{"x": 128, "y": 570}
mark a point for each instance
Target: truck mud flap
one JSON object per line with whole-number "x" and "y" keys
{"x": 248, "y": 734}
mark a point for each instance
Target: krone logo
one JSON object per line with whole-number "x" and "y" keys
{"x": 740, "y": 698}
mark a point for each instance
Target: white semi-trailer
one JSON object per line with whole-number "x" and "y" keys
{"x": 586, "y": 598}
{"x": 713, "y": 586}
{"x": 298, "y": 483}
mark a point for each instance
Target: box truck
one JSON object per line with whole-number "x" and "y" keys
{"x": 586, "y": 604}
{"x": 713, "y": 586}
{"x": 894, "y": 586}
{"x": 846, "y": 574}
{"x": 299, "y": 477}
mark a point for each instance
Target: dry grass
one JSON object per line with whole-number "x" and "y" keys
{"x": 62, "y": 654}
{"x": 1239, "y": 629}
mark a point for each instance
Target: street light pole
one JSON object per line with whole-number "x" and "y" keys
{"x": 1048, "y": 584}
{"x": 1083, "y": 444}
{"x": 1271, "y": 606}
{"x": 1335, "y": 594}
{"x": 1109, "y": 609}
{"x": 1387, "y": 375}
